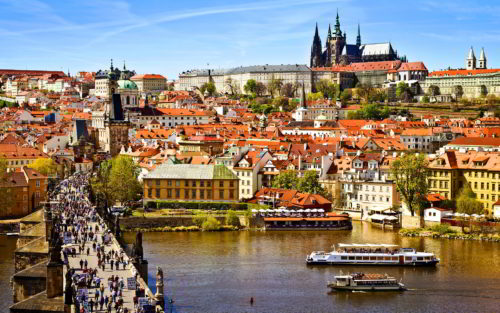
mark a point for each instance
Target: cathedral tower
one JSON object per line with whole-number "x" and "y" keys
{"x": 470, "y": 62}
{"x": 358, "y": 39}
{"x": 482, "y": 60}
{"x": 337, "y": 43}
{"x": 316, "y": 50}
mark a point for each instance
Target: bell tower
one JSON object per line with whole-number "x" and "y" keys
{"x": 337, "y": 43}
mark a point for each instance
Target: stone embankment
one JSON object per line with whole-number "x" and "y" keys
{"x": 450, "y": 235}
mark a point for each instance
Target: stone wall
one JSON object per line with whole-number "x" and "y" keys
{"x": 24, "y": 288}
{"x": 153, "y": 222}
{"x": 412, "y": 221}
{"x": 24, "y": 260}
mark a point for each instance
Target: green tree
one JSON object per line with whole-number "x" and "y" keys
{"x": 123, "y": 179}
{"x": 328, "y": 89}
{"x": 275, "y": 86}
{"x": 211, "y": 224}
{"x": 401, "y": 89}
{"x": 468, "y": 204}
{"x": 208, "y": 88}
{"x": 44, "y": 166}
{"x": 425, "y": 99}
{"x": 101, "y": 183}
{"x": 232, "y": 218}
{"x": 410, "y": 176}
{"x": 286, "y": 180}
{"x": 250, "y": 86}
{"x": 314, "y": 96}
{"x": 345, "y": 95}
{"x": 309, "y": 183}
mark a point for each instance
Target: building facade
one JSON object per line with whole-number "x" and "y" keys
{"x": 150, "y": 82}
{"x": 189, "y": 182}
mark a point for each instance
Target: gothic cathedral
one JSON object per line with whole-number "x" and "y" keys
{"x": 338, "y": 52}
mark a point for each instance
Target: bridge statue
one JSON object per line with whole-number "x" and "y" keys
{"x": 159, "y": 296}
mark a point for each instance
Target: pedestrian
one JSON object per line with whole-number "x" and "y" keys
{"x": 111, "y": 262}
{"x": 101, "y": 302}
{"x": 91, "y": 303}
{"x": 88, "y": 251}
{"x": 81, "y": 264}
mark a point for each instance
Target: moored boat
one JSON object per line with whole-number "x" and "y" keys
{"x": 372, "y": 254}
{"x": 366, "y": 282}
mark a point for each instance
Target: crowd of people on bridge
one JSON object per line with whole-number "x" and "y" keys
{"x": 98, "y": 268}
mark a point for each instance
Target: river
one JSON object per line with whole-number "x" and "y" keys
{"x": 221, "y": 271}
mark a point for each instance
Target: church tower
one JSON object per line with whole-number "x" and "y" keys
{"x": 470, "y": 62}
{"x": 482, "y": 60}
{"x": 316, "y": 50}
{"x": 358, "y": 39}
{"x": 337, "y": 43}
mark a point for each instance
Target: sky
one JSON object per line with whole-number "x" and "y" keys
{"x": 170, "y": 36}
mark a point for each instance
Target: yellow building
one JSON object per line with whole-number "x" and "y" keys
{"x": 190, "y": 182}
{"x": 449, "y": 172}
{"x": 150, "y": 82}
{"x": 19, "y": 156}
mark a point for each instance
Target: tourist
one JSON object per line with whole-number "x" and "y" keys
{"x": 81, "y": 264}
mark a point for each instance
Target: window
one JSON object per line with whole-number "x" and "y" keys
{"x": 169, "y": 193}
{"x": 231, "y": 194}
{"x": 209, "y": 183}
{"x": 150, "y": 183}
{"x": 38, "y": 183}
{"x": 209, "y": 194}
{"x": 221, "y": 183}
{"x": 221, "y": 194}
{"x": 177, "y": 193}
{"x": 202, "y": 194}
{"x": 157, "y": 193}
{"x": 150, "y": 193}
{"x": 202, "y": 183}
{"x": 169, "y": 183}
{"x": 231, "y": 183}
{"x": 194, "y": 183}
{"x": 177, "y": 183}
{"x": 193, "y": 193}
{"x": 157, "y": 182}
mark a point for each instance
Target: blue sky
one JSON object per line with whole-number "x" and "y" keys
{"x": 168, "y": 37}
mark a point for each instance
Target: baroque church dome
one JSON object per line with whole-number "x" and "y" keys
{"x": 126, "y": 84}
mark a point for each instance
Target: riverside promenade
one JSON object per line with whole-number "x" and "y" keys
{"x": 91, "y": 254}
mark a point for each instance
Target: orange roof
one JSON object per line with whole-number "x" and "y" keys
{"x": 185, "y": 112}
{"x": 412, "y": 66}
{"x": 147, "y": 76}
{"x": 375, "y": 66}
{"x": 463, "y": 72}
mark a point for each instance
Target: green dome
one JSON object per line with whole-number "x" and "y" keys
{"x": 126, "y": 84}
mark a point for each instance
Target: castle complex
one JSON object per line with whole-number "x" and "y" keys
{"x": 338, "y": 52}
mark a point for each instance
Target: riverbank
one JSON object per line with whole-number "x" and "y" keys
{"x": 445, "y": 232}
{"x": 180, "y": 229}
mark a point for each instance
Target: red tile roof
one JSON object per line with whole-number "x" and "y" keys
{"x": 462, "y": 72}
{"x": 412, "y": 66}
{"x": 147, "y": 76}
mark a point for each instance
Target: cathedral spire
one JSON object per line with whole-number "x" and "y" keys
{"x": 329, "y": 31}
{"x": 358, "y": 39}
{"x": 338, "y": 32}
{"x": 111, "y": 67}
{"x": 303, "y": 100}
{"x": 124, "y": 68}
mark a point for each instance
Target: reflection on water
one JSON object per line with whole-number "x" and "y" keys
{"x": 220, "y": 272}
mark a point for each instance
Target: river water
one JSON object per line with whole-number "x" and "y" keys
{"x": 220, "y": 272}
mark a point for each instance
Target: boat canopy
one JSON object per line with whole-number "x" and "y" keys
{"x": 365, "y": 245}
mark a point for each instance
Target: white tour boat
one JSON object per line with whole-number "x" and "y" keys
{"x": 366, "y": 282}
{"x": 372, "y": 254}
